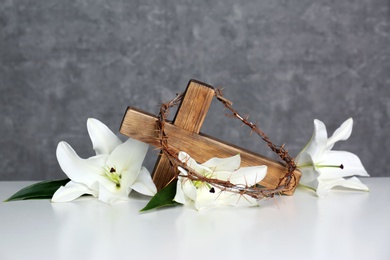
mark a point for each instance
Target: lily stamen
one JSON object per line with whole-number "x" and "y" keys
{"x": 341, "y": 166}
{"x": 112, "y": 175}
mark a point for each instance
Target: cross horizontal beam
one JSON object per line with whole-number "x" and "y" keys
{"x": 143, "y": 126}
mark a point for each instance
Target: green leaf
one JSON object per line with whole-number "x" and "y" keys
{"x": 40, "y": 190}
{"x": 162, "y": 198}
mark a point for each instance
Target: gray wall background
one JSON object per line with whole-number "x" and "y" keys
{"x": 282, "y": 62}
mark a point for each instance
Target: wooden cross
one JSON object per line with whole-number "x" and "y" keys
{"x": 184, "y": 135}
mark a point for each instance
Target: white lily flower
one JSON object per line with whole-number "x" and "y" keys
{"x": 323, "y": 169}
{"x": 203, "y": 195}
{"x": 111, "y": 174}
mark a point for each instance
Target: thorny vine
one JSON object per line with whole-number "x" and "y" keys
{"x": 258, "y": 192}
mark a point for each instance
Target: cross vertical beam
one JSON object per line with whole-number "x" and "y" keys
{"x": 190, "y": 116}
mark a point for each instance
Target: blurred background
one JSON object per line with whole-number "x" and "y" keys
{"x": 283, "y": 63}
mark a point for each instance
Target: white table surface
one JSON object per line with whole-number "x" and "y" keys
{"x": 345, "y": 225}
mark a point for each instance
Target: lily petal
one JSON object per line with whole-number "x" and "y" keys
{"x": 304, "y": 160}
{"x": 205, "y": 199}
{"x": 180, "y": 197}
{"x": 351, "y": 165}
{"x": 238, "y": 200}
{"x": 223, "y": 164}
{"x": 309, "y": 177}
{"x": 129, "y": 154}
{"x": 71, "y": 191}
{"x": 85, "y": 171}
{"x": 185, "y": 191}
{"x": 183, "y": 172}
{"x": 144, "y": 183}
{"x": 317, "y": 143}
{"x": 247, "y": 176}
{"x": 103, "y": 139}
{"x": 341, "y": 134}
{"x": 192, "y": 164}
{"x": 107, "y": 196}
{"x": 325, "y": 186}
